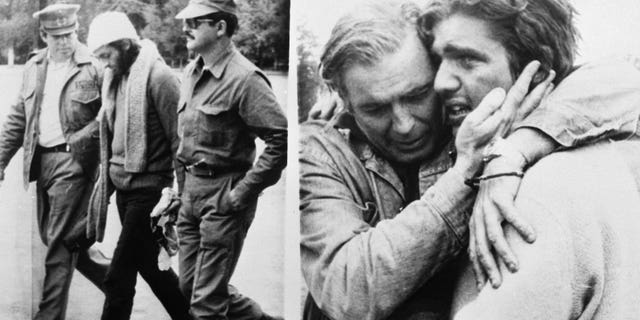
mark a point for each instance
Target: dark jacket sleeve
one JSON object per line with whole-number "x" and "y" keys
{"x": 263, "y": 115}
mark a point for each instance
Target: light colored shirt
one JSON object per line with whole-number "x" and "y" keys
{"x": 49, "y": 122}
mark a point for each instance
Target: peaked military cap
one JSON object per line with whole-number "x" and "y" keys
{"x": 59, "y": 18}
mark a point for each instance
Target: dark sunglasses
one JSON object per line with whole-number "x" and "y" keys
{"x": 195, "y": 23}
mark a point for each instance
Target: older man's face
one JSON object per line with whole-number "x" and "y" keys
{"x": 394, "y": 104}
{"x": 472, "y": 64}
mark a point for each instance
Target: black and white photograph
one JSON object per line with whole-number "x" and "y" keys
{"x": 319, "y": 159}
{"x": 141, "y": 154}
{"x": 469, "y": 159}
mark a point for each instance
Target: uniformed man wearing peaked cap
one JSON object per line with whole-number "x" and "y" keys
{"x": 53, "y": 120}
{"x": 218, "y": 121}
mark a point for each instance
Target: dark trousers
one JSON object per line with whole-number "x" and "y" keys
{"x": 137, "y": 251}
{"x": 210, "y": 243}
{"x": 63, "y": 191}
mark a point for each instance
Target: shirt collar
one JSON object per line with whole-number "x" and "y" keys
{"x": 219, "y": 65}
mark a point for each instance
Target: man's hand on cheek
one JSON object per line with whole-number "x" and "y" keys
{"x": 520, "y": 102}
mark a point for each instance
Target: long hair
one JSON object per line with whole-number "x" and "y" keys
{"x": 129, "y": 50}
{"x": 529, "y": 30}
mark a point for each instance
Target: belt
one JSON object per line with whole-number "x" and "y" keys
{"x": 200, "y": 170}
{"x": 59, "y": 148}
{"x": 203, "y": 169}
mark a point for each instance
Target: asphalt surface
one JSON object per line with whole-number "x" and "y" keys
{"x": 259, "y": 273}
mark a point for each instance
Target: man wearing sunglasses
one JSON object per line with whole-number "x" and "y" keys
{"x": 225, "y": 103}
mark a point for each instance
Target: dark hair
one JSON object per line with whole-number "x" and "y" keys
{"x": 129, "y": 50}
{"x": 529, "y": 30}
{"x": 230, "y": 19}
{"x": 365, "y": 35}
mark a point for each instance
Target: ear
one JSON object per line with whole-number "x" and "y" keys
{"x": 43, "y": 36}
{"x": 221, "y": 28}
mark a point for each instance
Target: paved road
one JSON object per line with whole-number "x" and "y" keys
{"x": 259, "y": 273}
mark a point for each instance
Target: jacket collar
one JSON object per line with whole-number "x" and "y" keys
{"x": 372, "y": 161}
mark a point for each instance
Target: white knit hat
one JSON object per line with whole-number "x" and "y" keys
{"x": 108, "y": 27}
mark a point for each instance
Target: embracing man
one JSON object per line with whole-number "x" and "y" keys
{"x": 383, "y": 218}
{"x": 583, "y": 203}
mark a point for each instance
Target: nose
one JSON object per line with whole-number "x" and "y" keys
{"x": 402, "y": 119}
{"x": 446, "y": 79}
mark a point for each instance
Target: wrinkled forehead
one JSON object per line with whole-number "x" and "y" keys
{"x": 392, "y": 76}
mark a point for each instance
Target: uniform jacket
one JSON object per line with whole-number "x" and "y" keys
{"x": 79, "y": 105}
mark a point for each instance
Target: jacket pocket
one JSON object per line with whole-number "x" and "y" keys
{"x": 85, "y": 97}
{"x": 215, "y": 108}
{"x": 216, "y": 123}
